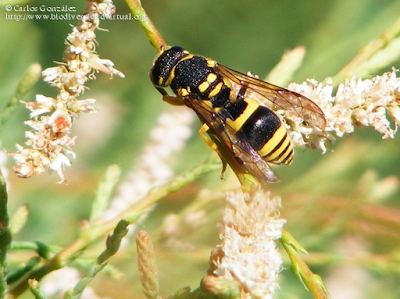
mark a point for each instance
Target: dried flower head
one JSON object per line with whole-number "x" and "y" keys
{"x": 50, "y": 139}
{"x": 248, "y": 254}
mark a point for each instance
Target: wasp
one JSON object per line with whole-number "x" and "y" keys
{"x": 233, "y": 109}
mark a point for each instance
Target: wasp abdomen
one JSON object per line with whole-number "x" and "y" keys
{"x": 263, "y": 130}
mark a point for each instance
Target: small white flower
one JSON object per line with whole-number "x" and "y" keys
{"x": 70, "y": 153}
{"x": 42, "y": 105}
{"x": 40, "y": 126}
{"x": 104, "y": 65}
{"x": 24, "y": 170}
{"x": 76, "y": 50}
{"x": 60, "y": 121}
{"x": 52, "y": 73}
{"x": 59, "y": 161}
{"x": 106, "y": 9}
{"x": 86, "y": 106}
{"x": 394, "y": 112}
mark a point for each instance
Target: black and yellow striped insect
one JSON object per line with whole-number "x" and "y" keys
{"x": 233, "y": 109}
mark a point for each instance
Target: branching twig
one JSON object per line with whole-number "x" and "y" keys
{"x": 99, "y": 230}
{"x": 312, "y": 281}
{"x": 113, "y": 243}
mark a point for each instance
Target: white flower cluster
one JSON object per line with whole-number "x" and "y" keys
{"x": 51, "y": 120}
{"x": 248, "y": 253}
{"x": 371, "y": 102}
{"x": 166, "y": 139}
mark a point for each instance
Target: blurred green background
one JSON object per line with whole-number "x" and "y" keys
{"x": 247, "y": 36}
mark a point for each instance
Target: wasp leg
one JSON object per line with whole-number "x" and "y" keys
{"x": 176, "y": 101}
{"x": 203, "y": 130}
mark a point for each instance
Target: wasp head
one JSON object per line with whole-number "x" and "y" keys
{"x": 164, "y": 64}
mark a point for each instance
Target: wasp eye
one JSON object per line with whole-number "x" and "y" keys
{"x": 155, "y": 73}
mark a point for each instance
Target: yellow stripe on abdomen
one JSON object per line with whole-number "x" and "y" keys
{"x": 285, "y": 154}
{"x": 247, "y": 112}
{"x": 278, "y": 149}
{"x": 287, "y": 158}
{"x": 273, "y": 142}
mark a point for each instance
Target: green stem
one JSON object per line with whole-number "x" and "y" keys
{"x": 98, "y": 231}
{"x": 22, "y": 270}
{"x": 36, "y": 290}
{"x": 112, "y": 245}
{"x": 43, "y": 250}
{"x": 312, "y": 281}
{"x": 104, "y": 192}
{"x": 152, "y": 33}
{"x": 5, "y": 236}
{"x": 366, "y": 52}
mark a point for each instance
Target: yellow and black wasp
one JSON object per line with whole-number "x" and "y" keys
{"x": 229, "y": 104}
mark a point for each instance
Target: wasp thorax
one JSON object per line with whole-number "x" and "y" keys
{"x": 164, "y": 64}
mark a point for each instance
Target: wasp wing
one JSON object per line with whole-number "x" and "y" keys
{"x": 259, "y": 90}
{"x": 235, "y": 142}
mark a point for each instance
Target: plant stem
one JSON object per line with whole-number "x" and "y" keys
{"x": 152, "y": 33}
{"x": 312, "y": 281}
{"x": 104, "y": 192}
{"x": 112, "y": 245}
{"x": 366, "y": 52}
{"x": 5, "y": 236}
{"x": 36, "y": 290}
{"x": 98, "y": 231}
